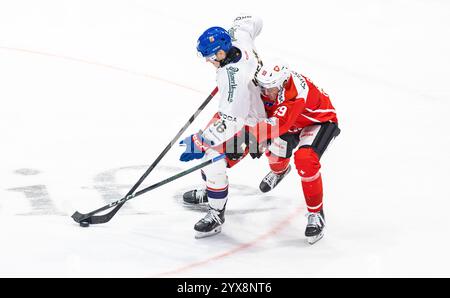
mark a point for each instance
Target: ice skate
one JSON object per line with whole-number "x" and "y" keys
{"x": 211, "y": 224}
{"x": 314, "y": 228}
{"x": 195, "y": 197}
{"x": 272, "y": 179}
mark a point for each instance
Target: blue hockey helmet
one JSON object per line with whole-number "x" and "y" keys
{"x": 213, "y": 40}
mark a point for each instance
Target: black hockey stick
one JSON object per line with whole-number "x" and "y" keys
{"x": 89, "y": 217}
{"x": 78, "y": 217}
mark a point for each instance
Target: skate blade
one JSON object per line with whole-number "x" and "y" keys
{"x": 195, "y": 204}
{"x": 197, "y": 207}
{"x": 199, "y": 235}
{"x": 314, "y": 239}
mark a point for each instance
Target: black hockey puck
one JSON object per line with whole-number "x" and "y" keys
{"x": 84, "y": 224}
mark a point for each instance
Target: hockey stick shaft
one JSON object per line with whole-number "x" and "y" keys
{"x": 179, "y": 175}
{"x": 147, "y": 189}
{"x": 163, "y": 153}
{"x": 107, "y": 217}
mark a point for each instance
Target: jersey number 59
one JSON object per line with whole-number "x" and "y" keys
{"x": 281, "y": 111}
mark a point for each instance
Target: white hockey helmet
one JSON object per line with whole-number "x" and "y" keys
{"x": 273, "y": 74}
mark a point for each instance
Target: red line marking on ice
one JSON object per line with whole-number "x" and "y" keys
{"x": 272, "y": 232}
{"x": 116, "y": 68}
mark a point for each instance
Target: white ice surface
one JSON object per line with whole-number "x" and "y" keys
{"x": 92, "y": 91}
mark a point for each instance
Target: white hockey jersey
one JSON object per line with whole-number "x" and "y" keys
{"x": 239, "y": 97}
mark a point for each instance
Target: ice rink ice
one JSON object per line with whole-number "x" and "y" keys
{"x": 92, "y": 91}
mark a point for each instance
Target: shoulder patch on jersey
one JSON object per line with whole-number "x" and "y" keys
{"x": 231, "y": 72}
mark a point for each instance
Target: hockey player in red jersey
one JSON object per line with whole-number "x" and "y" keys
{"x": 300, "y": 116}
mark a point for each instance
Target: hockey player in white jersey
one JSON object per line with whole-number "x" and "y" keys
{"x": 233, "y": 54}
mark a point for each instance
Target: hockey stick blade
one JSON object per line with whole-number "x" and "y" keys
{"x": 95, "y": 219}
{"x": 78, "y": 217}
{"x": 90, "y": 218}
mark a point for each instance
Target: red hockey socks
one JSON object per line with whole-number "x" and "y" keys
{"x": 308, "y": 167}
{"x": 313, "y": 191}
